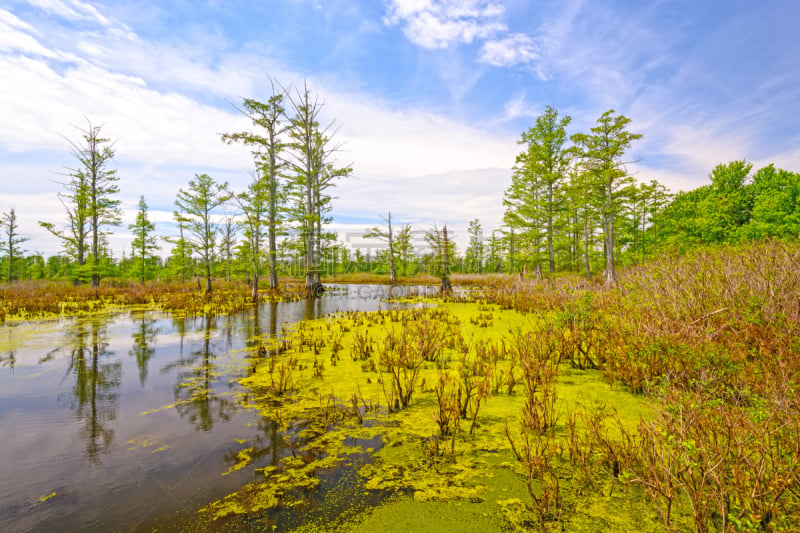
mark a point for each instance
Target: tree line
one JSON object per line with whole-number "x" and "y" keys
{"x": 572, "y": 206}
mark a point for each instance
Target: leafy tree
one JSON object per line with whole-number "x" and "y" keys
{"x": 732, "y": 200}
{"x": 494, "y": 252}
{"x": 776, "y": 205}
{"x": 683, "y": 220}
{"x": 11, "y": 240}
{"x": 474, "y": 253}
{"x": 548, "y": 158}
{"x": 180, "y": 260}
{"x": 35, "y": 266}
{"x": 262, "y": 200}
{"x": 255, "y": 205}
{"x": 90, "y": 193}
{"x": 314, "y": 173}
{"x": 735, "y": 206}
{"x": 76, "y": 203}
{"x": 144, "y": 239}
{"x": 227, "y": 243}
{"x": 602, "y": 151}
{"x": 387, "y": 237}
{"x": 197, "y": 203}
{"x": 522, "y": 214}
{"x": 404, "y": 248}
{"x": 443, "y": 251}
{"x": 582, "y": 202}
{"x": 658, "y": 197}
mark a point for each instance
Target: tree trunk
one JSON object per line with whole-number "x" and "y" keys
{"x": 254, "y": 292}
{"x": 447, "y": 287}
{"x": 392, "y": 276}
{"x": 610, "y": 274}
{"x": 95, "y": 246}
{"x": 550, "y": 250}
{"x": 273, "y": 250}
{"x": 586, "y": 244}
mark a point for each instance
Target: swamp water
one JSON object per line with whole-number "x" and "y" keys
{"x": 275, "y": 421}
{"x": 128, "y": 421}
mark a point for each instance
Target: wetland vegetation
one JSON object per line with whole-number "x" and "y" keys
{"x": 613, "y": 359}
{"x": 665, "y": 402}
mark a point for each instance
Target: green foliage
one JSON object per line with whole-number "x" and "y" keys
{"x": 736, "y": 206}
{"x": 601, "y": 154}
{"x": 11, "y": 240}
{"x": 197, "y": 204}
{"x": 474, "y": 255}
{"x": 144, "y": 242}
{"x": 262, "y": 203}
{"x": 89, "y": 204}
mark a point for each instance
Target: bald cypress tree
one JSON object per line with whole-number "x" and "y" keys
{"x": 89, "y": 201}
{"x": 602, "y": 152}
{"x": 144, "y": 239}
{"x": 197, "y": 203}
{"x": 11, "y": 240}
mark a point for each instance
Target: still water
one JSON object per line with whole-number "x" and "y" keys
{"x": 128, "y": 422}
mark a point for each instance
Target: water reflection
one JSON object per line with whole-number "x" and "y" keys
{"x": 96, "y": 388}
{"x": 9, "y": 360}
{"x": 313, "y": 308}
{"x": 195, "y": 397}
{"x": 144, "y": 338}
{"x": 95, "y": 393}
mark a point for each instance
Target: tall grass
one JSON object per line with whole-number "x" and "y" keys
{"x": 712, "y": 338}
{"x": 36, "y": 299}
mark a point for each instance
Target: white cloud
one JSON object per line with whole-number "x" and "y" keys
{"x": 10, "y": 20}
{"x": 441, "y": 23}
{"x": 392, "y": 143}
{"x": 514, "y": 49}
{"x": 410, "y": 161}
{"x": 518, "y": 107}
{"x": 72, "y": 10}
{"x": 453, "y": 198}
{"x": 16, "y": 36}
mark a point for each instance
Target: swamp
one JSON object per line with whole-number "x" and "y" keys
{"x": 665, "y": 403}
{"x": 409, "y": 265}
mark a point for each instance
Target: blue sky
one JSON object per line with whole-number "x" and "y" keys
{"x": 430, "y": 95}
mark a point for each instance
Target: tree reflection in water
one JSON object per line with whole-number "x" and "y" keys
{"x": 9, "y": 360}
{"x": 96, "y": 388}
{"x": 269, "y": 443}
{"x": 144, "y": 338}
{"x": 194, "y": 394}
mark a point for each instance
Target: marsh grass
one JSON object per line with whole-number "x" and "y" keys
{"x": 669, "y": 402}
{"x": 429, "y": 389}
{"x": 712, "y": 341}
{"x": 671, "y": 398}
{"x": 31, "y": 300}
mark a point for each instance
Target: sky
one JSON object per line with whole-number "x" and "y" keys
{"x": 430, "y": 97}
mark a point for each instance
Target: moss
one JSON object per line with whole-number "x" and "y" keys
{"x": 329, "y": 395}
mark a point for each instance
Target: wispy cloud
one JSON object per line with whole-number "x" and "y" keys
{"x": 514, "y": 49}
{"x": 73, "y": 10}
{"x": 441, "y": 23}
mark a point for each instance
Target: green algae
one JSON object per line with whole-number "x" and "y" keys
{"x": 328, "y": 385}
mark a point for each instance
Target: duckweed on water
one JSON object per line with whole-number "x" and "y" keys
{"x": 421, "y": 406}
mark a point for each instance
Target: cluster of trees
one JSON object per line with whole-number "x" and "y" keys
{"x": 294, "y": 168}
{"x": 571, "y": 206}
{"x": 736, "y": 206}
{"x": 572, "y": 195}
